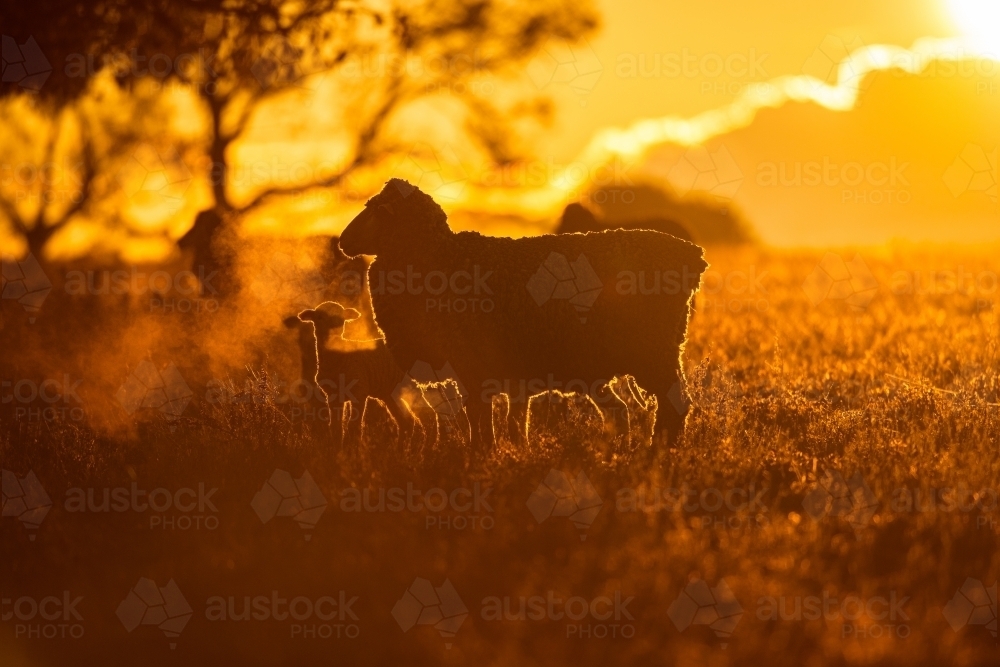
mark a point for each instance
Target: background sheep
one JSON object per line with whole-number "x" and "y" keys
{"x": 570, "y": 310}
{"x": 578, "y": 219}
{"x": 711, "y": 221}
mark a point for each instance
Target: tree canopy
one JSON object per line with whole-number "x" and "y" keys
{"x": 235, "y": 55}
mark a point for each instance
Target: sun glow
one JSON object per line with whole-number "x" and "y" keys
{"x": 980, "y": 20}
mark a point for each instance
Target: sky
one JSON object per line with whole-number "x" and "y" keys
{"x": 682, "y": 59}
{"x": 834, "y": 123}
{"x": 781, "y": 36}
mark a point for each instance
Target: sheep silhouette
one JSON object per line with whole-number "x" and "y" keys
{"x": 559, "y": 310}
{"x": 578, "y": 219}
{"x": 346, "y": 371}
{"x": 365, "y": 397}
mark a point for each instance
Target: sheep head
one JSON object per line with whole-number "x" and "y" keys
{"x": 329, "y": 317}
{"x": 578, "y": 218}
{"x": 401, "y": 216}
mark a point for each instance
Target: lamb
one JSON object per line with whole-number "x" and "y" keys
{"x": 307, "y": 347}
{"x": 577, "y": 218}
{"x": 347, "y": 371}
{"x": 567, "y": 312}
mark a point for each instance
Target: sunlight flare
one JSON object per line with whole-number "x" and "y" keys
{"x": 979, "y": 19}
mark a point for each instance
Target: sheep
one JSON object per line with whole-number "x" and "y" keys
{"x": 336, "y": 372}
{"x": 347, "y": 371}
{"x": 577, "y": 218}
{"x": 567, "y": 312}
{"x": 307, "y": 347}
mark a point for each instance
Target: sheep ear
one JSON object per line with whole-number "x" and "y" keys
{"x": 350, "y": 314}
{"x": 292, "y": 321}
{"x": 305, "y": 316}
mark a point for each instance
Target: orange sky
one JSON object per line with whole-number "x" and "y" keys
{"x": 663, "y": 59}
{"x": 907, "y": 155}
{"x": 783, "y": 34}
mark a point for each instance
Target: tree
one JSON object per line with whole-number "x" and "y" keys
{"x": 59, "y": 162}
{"x": 238, "y": 54}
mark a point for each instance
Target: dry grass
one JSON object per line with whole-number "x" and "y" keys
{"x": 904, "y": 391}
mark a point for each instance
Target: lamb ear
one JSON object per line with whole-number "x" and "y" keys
{"x": 305, "y": 316}
{"x": 350, "y": 314}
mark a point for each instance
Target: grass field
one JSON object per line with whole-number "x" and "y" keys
{"x": 835, "y": 487}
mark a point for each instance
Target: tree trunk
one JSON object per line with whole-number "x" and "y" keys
{"x": 204, "y": 241}
{"x": 38, "y": 237}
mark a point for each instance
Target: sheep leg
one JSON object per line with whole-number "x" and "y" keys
{"x": 669, "y": 418}
{"x": 405, "y": 419}
{"x": 481, "y": 424}
{"x": 500, "y": 418}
